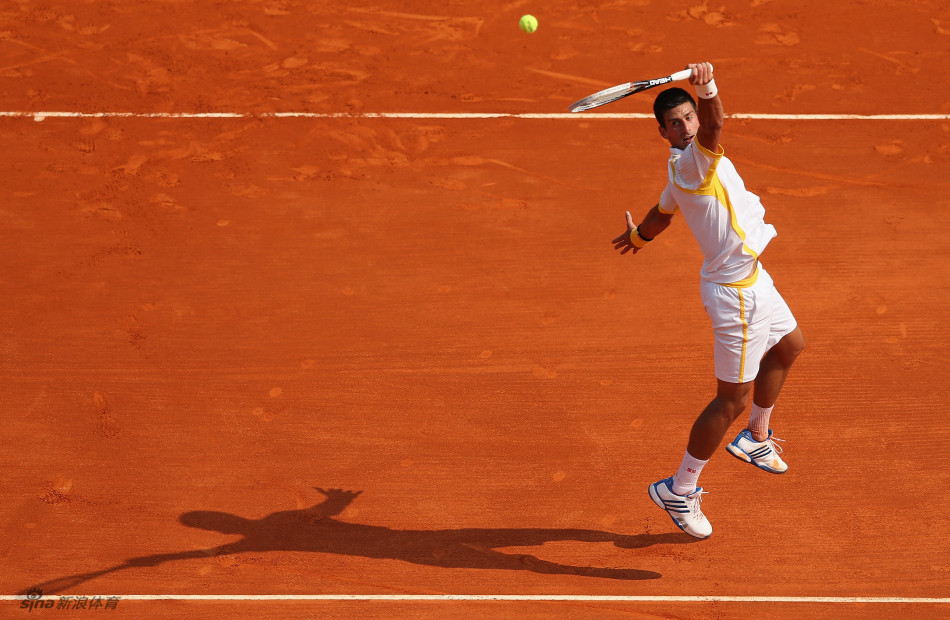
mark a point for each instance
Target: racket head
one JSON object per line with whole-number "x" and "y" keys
{"x": 609, "y": 95}
{"x": 603, "y": 97}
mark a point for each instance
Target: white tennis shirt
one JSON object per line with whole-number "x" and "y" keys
{"x": 726, "y": 219}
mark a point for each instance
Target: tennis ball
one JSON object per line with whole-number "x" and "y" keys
{"x": 528, "y": 23}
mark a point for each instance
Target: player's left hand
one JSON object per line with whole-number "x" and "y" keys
{"x": 623, "y": 242}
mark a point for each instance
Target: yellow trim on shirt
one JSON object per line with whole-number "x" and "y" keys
{"x": 705, "y": 187}
{"x": 723, "y": 197}
{"x": 746, "y": 282}
{"x": 712, "y": 186}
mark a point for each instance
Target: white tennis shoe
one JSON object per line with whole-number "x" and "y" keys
{"x": 762, "y": 454}
{"x": 683, "y": 509}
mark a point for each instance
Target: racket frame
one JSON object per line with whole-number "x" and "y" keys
{"x": 615, "y": 93}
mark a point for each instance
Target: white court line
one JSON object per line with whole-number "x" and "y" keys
{"x": 41, "y": 115}
{"x": 507, "y": 597}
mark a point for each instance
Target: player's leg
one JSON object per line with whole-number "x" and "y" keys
{"x": 680, "y": 496}
{"x": 729, "y": 311}
{"x": 782, "y": 346}
{"x": 741, "y": 329}
{"x": 773, "y": 370}
{"x": 714, "y": 421}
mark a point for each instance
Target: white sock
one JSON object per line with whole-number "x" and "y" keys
{"x": 759, "y": 420}
{"x": 684, "y": 482}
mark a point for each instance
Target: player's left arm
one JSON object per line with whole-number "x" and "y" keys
{"x": 709, "y": 107}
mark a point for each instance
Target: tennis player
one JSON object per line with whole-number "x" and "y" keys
{"x": 757, "y": 339}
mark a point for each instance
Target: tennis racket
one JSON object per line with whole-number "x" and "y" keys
{"x": 625, "y": 90}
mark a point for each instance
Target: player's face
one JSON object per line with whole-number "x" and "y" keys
{"x": 680, "y": 125}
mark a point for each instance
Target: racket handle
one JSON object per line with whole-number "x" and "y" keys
{"x": 681, "y": 75}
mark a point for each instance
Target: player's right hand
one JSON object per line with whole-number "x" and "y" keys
{"x": 702, "y": 73}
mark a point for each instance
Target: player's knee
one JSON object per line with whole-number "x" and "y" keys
{"x": 790, "y": 347}
{"x": 796, "y": 346}
{"x": 733, "y": 402}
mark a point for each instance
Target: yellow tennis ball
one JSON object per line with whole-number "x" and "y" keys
{"x": 528, "y": 23}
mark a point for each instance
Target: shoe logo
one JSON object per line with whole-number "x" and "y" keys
{"x": 675, "y": 506}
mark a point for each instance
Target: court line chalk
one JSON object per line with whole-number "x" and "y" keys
{"x": 509, "y": 597}
{"x": 42, "y": 115}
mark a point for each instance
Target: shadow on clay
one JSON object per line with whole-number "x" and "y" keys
{"x": 315, "y": 529}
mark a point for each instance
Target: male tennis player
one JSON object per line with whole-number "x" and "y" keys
{"x": 756, "y": 337}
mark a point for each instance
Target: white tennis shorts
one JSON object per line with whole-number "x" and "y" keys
{"x": 747, "y": 321}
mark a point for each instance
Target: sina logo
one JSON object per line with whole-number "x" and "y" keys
{"x": 34, "y": 600}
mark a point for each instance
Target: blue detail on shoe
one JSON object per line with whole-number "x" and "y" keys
{"x": 676, "y": 505}
{"x": 751, "y": 457}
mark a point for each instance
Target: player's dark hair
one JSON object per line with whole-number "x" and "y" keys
{"x": 669, "y": 99}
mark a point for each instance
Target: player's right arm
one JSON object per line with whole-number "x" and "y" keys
{"x": 636, "y": 237}
{"x": 709, "y": 109}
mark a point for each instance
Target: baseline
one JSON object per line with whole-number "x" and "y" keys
{"x": 512, "y": 597}
{"x": 40, "y": 116}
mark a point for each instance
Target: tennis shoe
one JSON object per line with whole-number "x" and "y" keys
{"x": 762, "y": 454}
{"x": 683, "y": 509}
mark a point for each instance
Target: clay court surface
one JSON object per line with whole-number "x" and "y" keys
{"x": 368, "y": 355}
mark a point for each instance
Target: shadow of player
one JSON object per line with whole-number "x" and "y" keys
{"x": 315, "y": 530}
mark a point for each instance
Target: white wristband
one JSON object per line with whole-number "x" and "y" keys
{"x": 708, "y": 90}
